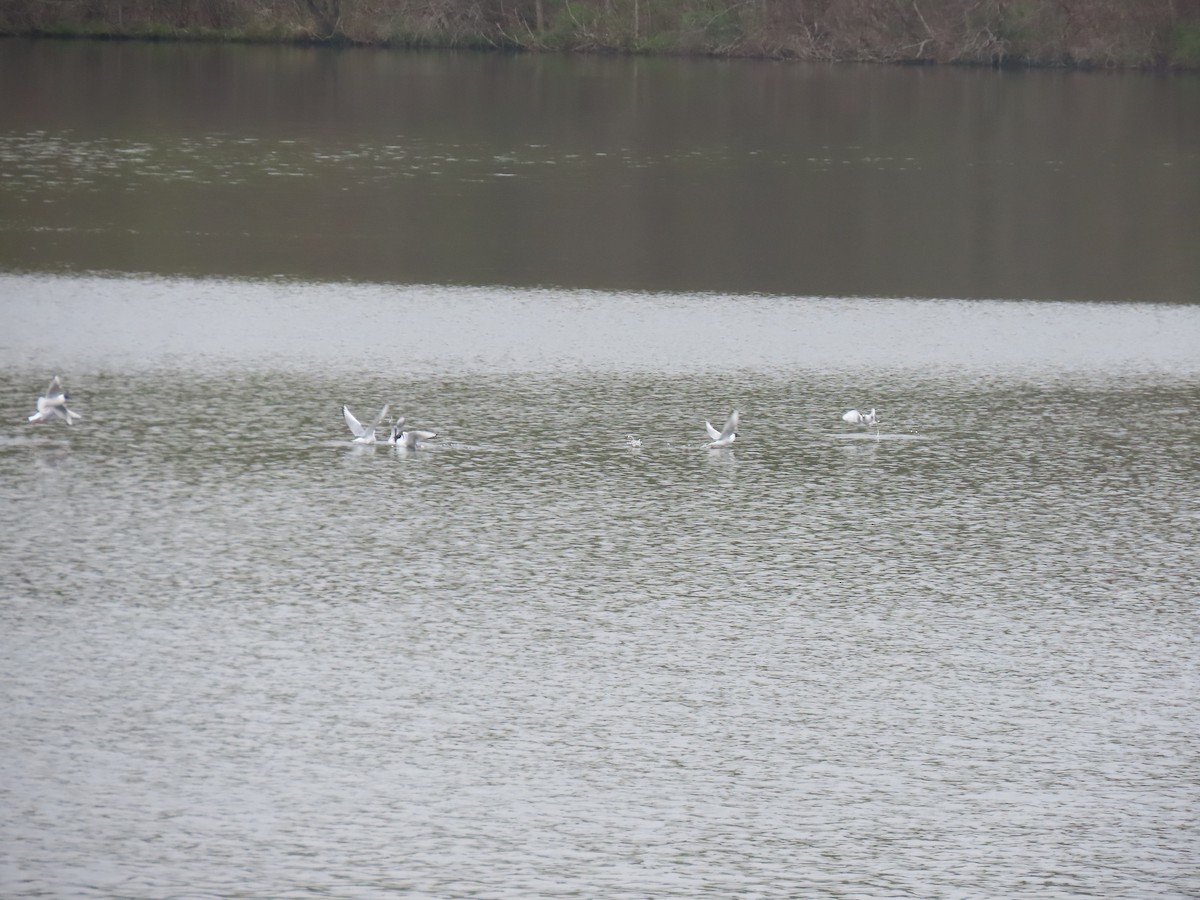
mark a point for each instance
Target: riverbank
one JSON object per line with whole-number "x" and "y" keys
{"x": 1150, "y": 34}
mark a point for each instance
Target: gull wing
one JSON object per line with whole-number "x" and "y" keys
{"x": 368, "y": 435}
{"x": 730, "y": 427}
{"x": 713, "y": 434}
{"x": 379, "y": 418}
{"x": 396, "y": 430}
{"x": 55, "y": 388}
{"x": 356, "y": 427}
{"x": 410, "y": 439}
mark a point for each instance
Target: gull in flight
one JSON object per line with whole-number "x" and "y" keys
{"x": 406, "y": 439}
{"x": 854, "y": 417}
{"x": 363, "y": 434}
{"x": 725, "y": 437}
{"x": 53, "y": 405}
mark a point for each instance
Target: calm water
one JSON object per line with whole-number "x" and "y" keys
{"x": 671, "y": 175}
{"x": 240, "y": 656}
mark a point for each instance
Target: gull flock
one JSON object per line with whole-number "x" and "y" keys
{"x": 398, "y": 435}
{"x": 52, "y": 406}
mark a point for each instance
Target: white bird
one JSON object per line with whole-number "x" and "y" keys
{"x": 725, "y": 437}
{"x": 633, "y": 440}
{"x": 854, "y": 417}
{"x": 363, "y": 434}
{"x": 409, "y": 440}
{"x": 53, "y": 405}
{"x": 397, "y": 427}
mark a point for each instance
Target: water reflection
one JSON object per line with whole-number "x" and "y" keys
{"x": 675, "y": 175}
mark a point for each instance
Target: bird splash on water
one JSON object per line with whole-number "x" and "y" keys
{"x": 53, "y": 405}
{"x": 409, "y": 439}
{"x": 726, "y": 436}
{"x": 855, "y": 417}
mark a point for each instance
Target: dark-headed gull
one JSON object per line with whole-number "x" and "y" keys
{"x": 725, "y": 437}
{"x": 408, "y": 439}
{"x": 363, "y": 434}
{"x": 54, "y": 405}
{"x": 396, "y": 429}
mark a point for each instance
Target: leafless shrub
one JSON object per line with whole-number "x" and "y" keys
{"x": 1063, "y": 32}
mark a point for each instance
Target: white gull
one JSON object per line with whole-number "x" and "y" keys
{"x": 363, "y": 434}
{"x": 726, "y": 436}
{"x": 53, "y": 405}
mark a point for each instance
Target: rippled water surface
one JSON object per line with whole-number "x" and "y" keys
{"x": 240, "y": 656}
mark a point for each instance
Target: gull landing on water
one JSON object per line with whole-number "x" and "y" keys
{"x": 725, "y": 437}
{"x": 854, "y": 417}
{"x": 53, "y": 405}
{"x": 363, "y": 434}
{"x": 633, "y": 441}
{"x": 408, "y": 440}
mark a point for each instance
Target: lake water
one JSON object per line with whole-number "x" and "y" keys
{"x": 240, "y": 656}
{"x": 599, "y": 173}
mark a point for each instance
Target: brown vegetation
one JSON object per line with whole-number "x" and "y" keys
{"x": 1111, "y": 33}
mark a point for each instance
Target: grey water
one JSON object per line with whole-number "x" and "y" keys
{"x": 954, "y": 656}
{"x": 244, "y": 657}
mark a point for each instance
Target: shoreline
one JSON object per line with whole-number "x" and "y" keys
{"x": 1100, "y": 35}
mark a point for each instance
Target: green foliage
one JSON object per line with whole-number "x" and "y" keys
{"x": 659, "y": 42}
{"x": 563, "y": 28}
{"x": 712, "y": 25}
{"x": 158, "y": 31}
{"x": 1007, "y": 33}
{"x": 582, "y": 25}
{"x": 1185, "y": 45}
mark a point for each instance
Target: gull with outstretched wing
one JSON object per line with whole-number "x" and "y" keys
{"x": 363, "y": 434}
